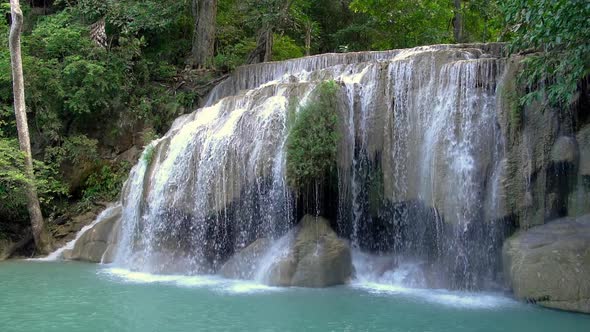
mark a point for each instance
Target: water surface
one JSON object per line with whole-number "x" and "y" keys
{"x": 68, "y": 296}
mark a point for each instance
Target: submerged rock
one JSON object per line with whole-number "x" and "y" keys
{"x": 550, "y": 264}
{"x": 317, "y": 257}
{"x": 99, "y": 243}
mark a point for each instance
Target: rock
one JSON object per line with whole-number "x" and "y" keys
{"x": 130, "y": 156}
{"x": 564, "y": 150}
{"x": 244, "y": 263}
{"x": 68, "y": 229}
{"x": 583, "y": 138}
{"x": 550, "y": 264}
{"x": 5, "y": 246}
{"x": 8, "y": 246}
{"x": 316, "y": 257}
{"x": 98, "y": 243}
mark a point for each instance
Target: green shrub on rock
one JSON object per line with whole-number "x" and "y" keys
{"x": 313, "y": 139}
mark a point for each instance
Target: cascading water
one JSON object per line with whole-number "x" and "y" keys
{"x": 418, "y": 162}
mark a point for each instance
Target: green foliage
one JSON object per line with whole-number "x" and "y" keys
{"x": 76, "y": 89}
{"x": 559, "y": 30}
{"x": 404, "y": 23}
{"x": 77, "y": 149}
{"x": 399, "y": 20}
{"x": 13, "y": 181}
{"x": 105, "y": 184}
{"x": 148, "y": 154}
{"x": 58, "y": 36}
{"x": 232, "y": 56}
{"x": 313, "y": 139}
{"x": 284, "y": 47}
{"x": 483, "y": 21}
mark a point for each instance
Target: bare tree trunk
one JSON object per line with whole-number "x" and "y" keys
{"x": 263, "y": 50}
{"x": 308, "y": 27}
{"x": 40, "y": 235}
{"x": 204, "y": 13}
{"x": 458, "y": 22}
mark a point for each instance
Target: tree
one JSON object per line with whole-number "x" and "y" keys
{"x": 408, "y": 23}
{"x": 273, "y": 19}
{"x": 204, "y": 13}
{"x": 457, "y": 22}
{"x": 556, "y": 35}
{"x": 40, "y": 235}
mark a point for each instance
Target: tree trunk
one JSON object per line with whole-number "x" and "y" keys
{"x": 308, "y": 28}
{"x": 264, "y": 43}
{"x": 40, "y": 235}
{"x": 458, "y": 22}
{"x": 204, "y": 13}
{"x": 263, "y": 50}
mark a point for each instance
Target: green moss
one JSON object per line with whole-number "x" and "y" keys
{"x": 512, "y": 100}
{"x": 515, "y": 109}
{"x": 376, "y": 190}
{"x": 148, "y": 155}
{"x": 313, "y": 138}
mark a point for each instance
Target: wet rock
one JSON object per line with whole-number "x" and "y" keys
{"x": 583, "y": 138}
{"x": 317, "y": 257}
{"x": 5, "y": 248}
{"x": 9, "y": 246}
{"x": 98, "y": 244}
{"x": 244, "y": 263}
{"x": 565, "y": 149}
{"x": 550, "y": 264}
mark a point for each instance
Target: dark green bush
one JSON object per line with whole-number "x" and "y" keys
{"x": 313, "y": 139}
{"x": 105, "y": 184}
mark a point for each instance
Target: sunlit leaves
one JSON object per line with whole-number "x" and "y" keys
{"x": 559, "y": 32}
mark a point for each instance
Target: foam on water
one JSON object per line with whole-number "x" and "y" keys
{"x": 216, "y": 283}
{"x": 464, "y": 300}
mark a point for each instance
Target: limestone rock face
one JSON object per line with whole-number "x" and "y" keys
{"x": 316, "y": 257}
{"x": 583, "y": 138}
{"x": 550, "y": 264}
{"x": 99, "y": 243}
{"x": 244, "y": 263}
{"x": 564, "y": 150}
{"x": 5, "y": 246}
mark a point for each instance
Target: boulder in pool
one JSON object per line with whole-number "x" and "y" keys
{"x": 98, "y": 244}
{"x": 314, "y": 257}
{"x": 550, "y": 264}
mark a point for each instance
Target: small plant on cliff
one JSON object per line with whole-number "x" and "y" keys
{"x": 313, "y": 139}
{"x": 148, "y": 155}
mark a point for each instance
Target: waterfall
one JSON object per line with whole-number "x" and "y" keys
{"x": 419, "y": 165}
